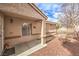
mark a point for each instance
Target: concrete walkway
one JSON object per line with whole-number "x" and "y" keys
{"x": 56, "y": 48}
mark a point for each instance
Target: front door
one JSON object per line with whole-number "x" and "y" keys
{"x": 26, "y": 29}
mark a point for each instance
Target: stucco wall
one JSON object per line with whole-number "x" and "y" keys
{"x": 36, "y": 28}
{"x": 14, "y": 29}
{"x": 50, "y": 27}
{"x": 21, "y": 9}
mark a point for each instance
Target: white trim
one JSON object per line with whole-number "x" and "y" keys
{"x": 42, "y": 33}
{"x": 32, "y": 50}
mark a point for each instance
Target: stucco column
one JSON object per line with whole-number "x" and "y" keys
{"x": 43, "y": 32}
{"x": 1, "y": 33}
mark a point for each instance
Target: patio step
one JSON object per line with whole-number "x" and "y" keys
{"x": 32, "y": 50}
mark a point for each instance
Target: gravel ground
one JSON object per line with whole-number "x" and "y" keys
{"x": 56, "y": 48}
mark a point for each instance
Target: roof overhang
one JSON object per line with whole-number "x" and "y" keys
{"x": 31, "y": 11}
{"x": 14, "y": 15}
{"x": 38, "y": 10}
{"x": 49, "y": 22}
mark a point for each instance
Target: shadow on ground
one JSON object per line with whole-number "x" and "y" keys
{"x": 49, "y": 38}
{"x": 73, "y": 47}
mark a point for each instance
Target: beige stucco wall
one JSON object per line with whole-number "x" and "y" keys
{"x": 50, "y": 31}
{"x": 36, "y": 28}
{"x": 21, "y": 9}
{"x": 50, "y": 27}
{"x": 14, "y": 29}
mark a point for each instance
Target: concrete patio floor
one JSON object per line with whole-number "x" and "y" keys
{"x": 56, "y": 48}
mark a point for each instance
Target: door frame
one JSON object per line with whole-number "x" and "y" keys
{"x": 30, "y": 29}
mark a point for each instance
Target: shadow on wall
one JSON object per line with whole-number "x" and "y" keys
{"x": 73, "y": 47}
{"x": 49, "y": 38}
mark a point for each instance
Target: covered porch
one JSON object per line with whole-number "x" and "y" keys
{"x": 21, "y": 31}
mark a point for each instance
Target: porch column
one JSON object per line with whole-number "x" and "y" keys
{"x": 1, "y": 33}
{"x": 43, "y": 32}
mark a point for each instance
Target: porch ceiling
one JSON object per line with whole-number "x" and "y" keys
{"x": 6, "y": 13}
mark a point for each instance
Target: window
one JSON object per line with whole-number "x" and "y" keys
{"x": 26, "y": 29}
